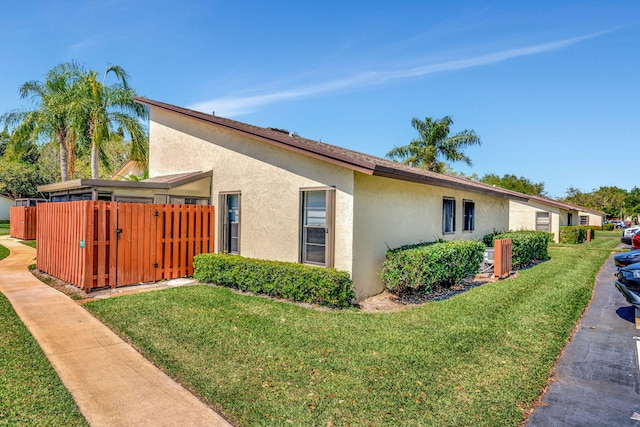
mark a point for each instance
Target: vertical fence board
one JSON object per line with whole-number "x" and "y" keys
{"x": 171, "y": 240}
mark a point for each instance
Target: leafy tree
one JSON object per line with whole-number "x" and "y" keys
{"x": 98, "y": 108}
{"x": 512, "y": 182}
{"x": 434, "y": 143}
{"x": 50, "y": 119}
{"x": 18, "y": 179}
{"x": 610, "y": 200}
{"x": 632, "y": 203}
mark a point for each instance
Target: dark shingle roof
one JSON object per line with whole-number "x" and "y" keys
{"x": 354, "y": 160}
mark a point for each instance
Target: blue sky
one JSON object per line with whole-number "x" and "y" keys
{"x": 551, "y": 87}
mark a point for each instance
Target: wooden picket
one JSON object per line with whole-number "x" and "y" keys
{"x": 23, "y": 222}
{"x": 107, "y": 244}
{"x": 502, "y": 258}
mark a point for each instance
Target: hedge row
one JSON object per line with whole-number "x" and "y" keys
{"x": 527, "y": 246}
{"x": 575, "y": 233}
{"x": 293, "y": 281}
{"x": 609, "y": 227}
{"x": 426, "y": 265}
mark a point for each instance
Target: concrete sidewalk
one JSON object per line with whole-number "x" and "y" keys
{"x": 112, "y": 383}
{"x": 596, "y": 381}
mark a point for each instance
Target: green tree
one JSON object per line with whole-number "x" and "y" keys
{"x": 434, "y": 143}
{"x": 610, "y": 200}
{"x": 512, "y": 182}
{"x": 632, "y": 203}
{"x": 18, "y": 179}
{"x": 49, "y": 120}
{"x": 101, "y": 110}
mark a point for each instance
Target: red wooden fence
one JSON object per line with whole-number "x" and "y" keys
{"x": 107, "y": 244}
{"x": 23, "y": 222}
{"x": 502, "y": 258}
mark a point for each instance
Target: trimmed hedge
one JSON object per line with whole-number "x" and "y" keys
{"x": 575, "y": 234}
{"x": 293, "y": 281}
{"x": 426, "y": 265}
{"x": 527, "y": 246}
{"x": 609, "y": 227}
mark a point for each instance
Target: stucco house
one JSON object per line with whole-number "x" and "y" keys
{"x": 5, "y": 203}
{"x": 282, "y": 197}
{"x": 542, "y": 214}
{"x": 588, "y": 216}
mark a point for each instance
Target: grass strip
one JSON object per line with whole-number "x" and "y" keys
{"x": 4, "y": 252}
{"x": 479, "y": 358}
{"x": 31, "y": 393}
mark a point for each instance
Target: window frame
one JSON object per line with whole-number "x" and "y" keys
{"x": 548, "y": 214}
{"x": 468, "y": 224}
{"x": 583, "y": 219}
{"x": 446, "y": 221}
{"x": 330, "y": 196}
{"x": 225, "y": 226}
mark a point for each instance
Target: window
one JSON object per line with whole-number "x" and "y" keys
{"x": 230, "y": 221}
{"x": 316, "y": 236}
{"x": 584, "y": 220}
{"x": 469, "y": 209}
{"x": 448, "y": 216}
{"x": 543, "y": 222}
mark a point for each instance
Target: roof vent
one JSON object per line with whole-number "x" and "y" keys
{"x": 213, "y": 113}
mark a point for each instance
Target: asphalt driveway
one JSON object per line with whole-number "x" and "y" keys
{"x": 596, "y": 382}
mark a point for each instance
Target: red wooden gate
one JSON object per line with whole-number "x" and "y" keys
{"x": 23, "y": 222}
{"x": 108, "y": 244}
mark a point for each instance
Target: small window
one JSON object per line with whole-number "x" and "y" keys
{"x": 469, "y": 208}
{"x": 448, "y": 216}
{"x": 584, "y": 220}
{"x": 543, "y": 222}
{"x": 230, "y": 222}
{"x": 316, "y": 236}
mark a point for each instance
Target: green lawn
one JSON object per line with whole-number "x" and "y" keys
{"x": 480, "y": 358}
{"x": 31, "y": 394}
{"x": 4, "y": 252}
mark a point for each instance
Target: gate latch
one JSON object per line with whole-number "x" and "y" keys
{"x": 118, "y": 233}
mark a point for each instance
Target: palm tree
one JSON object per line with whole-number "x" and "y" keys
{"x": 48, "y": 121}
{"x": 98, "y": 109}
{"x": 433, "y": 143}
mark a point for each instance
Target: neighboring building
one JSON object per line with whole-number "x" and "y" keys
{"x": 542, "y": 214}
{"x": 592, "y": 217}
{"x": 129, "y": 169}
{"x": 282, "y": 197}
{"x": 5, "y": 203}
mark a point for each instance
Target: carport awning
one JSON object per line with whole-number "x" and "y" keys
{"x": 164, "y": 182}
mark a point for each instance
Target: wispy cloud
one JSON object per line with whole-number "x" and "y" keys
{"x": 236, "y": 106}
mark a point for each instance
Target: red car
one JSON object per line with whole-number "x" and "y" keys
{"x": 635, "y": 240}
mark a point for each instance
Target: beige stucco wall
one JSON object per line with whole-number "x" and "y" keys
{"x": 593, "y": 219}
{"x": 522, "y": 216}
{"x": 269, "y": 179}
{"x": 389, "y": 213}
{"x": 371, "y": 213}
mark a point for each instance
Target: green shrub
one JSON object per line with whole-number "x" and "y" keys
{"x": 608, "y": 227}
{"x": 527, "y": 246}
{"x": 593, "y": 229}
{"x": 293, "y": 281}
{"x": 575, "y": 234}
{"x": 426, "y": 265}
{"x": 572, "y": 234}
{"x": 488, "y": 239}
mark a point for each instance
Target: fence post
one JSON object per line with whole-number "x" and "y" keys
{"x": 502, "y": 261}
{"x": 588, "y": 234}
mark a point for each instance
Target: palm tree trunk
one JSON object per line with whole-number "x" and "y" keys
{"x": 62, "y": 142}
{"x": 94, "y": 161}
